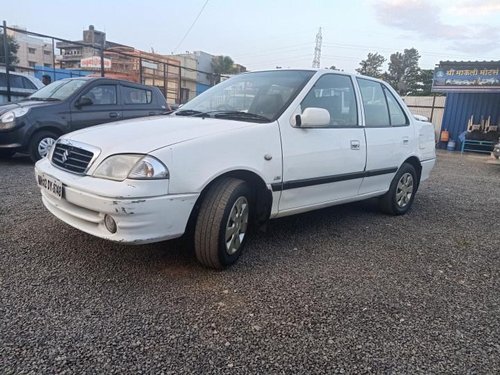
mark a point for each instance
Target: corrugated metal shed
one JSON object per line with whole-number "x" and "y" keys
{"x": 460, "y": 106}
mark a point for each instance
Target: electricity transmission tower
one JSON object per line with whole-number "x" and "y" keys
{"x": 317, "y": 50}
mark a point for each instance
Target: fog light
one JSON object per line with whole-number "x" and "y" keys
{"x": 110, "y": 223}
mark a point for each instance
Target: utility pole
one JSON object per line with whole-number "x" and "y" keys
{"x": 7, "y": 63}
{"x": 317, "y": 50}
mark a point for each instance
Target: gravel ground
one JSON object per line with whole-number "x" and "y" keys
{"x": 341, "y": 290}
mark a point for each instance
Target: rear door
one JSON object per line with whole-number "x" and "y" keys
{"x": 105, "y": 106}
{"x": 138, "y": 102}
{"x": 389, "y": 136}
{"x": 325, "y": 164}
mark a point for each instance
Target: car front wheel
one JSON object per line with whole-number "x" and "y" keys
{"x": 399, "y": 198}
{"x": 41, "y": 143}
{"x": 222, "y": 223}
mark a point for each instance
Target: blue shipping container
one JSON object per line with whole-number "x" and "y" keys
{"x": 460, "y": 106}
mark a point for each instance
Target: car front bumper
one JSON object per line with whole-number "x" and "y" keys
{"x": 139, "y": 219}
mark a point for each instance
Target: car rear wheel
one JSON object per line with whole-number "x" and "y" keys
{"x": 222, "y": 223}
{"x": 41, "y": 143}
{"x": 399, "y": 198}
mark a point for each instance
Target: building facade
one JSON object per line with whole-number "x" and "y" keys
{"x": 32, "y": 51}
{"x": 74, "y": 55}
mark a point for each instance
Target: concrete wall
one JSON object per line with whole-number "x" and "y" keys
{"x": 422, "y": 105}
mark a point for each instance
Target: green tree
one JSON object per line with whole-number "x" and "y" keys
{"x": 222, "y": 65}
{"x": 425, "y": 81}
{"x": 372, "y": 66}
{"x": 404, "y": 72}
{"x": 13, "y": 47}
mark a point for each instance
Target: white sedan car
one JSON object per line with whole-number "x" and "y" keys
{"x": 258, "y": 146}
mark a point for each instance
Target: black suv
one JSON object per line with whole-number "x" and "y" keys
{"x": 33, "y": 124}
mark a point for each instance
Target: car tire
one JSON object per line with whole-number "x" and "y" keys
{"x": 40, "y": 144}
{"x": 399, "y": 198}
{"x": 7, "y": 154}
{"x": 221, "y": 227}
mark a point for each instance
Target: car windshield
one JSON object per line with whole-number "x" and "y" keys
{"x": 58, "y": 90}
{"x": 256, "y": 97}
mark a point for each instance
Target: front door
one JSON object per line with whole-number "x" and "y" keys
{"x": 103, "y": 107}
{"x": 323, "y": 165}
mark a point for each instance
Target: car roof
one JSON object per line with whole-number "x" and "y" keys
{"x": 32, "y": 78}
{"x": 318, "y": 70}
{"x": 125, "y": 82}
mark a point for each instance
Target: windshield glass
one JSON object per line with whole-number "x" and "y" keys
{"x": 58, "y": 90}
{"x": 258, "y": 97}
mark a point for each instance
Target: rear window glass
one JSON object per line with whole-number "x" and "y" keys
{"x": 132, "y": 95}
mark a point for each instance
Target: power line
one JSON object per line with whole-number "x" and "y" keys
{"x": 190, "y": 27}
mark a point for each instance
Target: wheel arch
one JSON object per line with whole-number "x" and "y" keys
{"x": 263, "y": 197}
{"x": 47, "y": 128}
{"x": 415, "y": 162}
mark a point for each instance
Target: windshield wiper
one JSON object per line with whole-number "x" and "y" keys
{"x": 189, "y": 112}
{"x": 230, "y": 115}
{"x": 43, "y": 99}
{"x": 237, "y": 115}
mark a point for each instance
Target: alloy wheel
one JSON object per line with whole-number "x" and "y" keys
{"x": 237, "y": 225}
{"x": 44, "y": 146}
{"x": 404, "y": 190}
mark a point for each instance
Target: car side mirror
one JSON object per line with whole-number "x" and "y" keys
{"x": 421, "y": 118}
{"x": 83, "y": 101}
{"x": 313, "y": 117}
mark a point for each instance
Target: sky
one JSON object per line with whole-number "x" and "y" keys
{"x": 263, "y": 34}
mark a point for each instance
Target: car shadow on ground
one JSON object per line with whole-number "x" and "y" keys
{"x": 17, "y": 159}
{"x": 178, "y": 257}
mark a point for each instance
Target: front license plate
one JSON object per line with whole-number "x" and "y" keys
{"x": 51, "y": 185}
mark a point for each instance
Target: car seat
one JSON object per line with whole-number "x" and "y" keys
{"x": 267, "y": 105}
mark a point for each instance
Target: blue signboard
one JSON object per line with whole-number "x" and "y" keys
{"x": 467, "y": 78}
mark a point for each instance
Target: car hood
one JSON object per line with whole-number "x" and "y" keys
{"x": 147, "y": 134}
{"x": 23, "y": 104}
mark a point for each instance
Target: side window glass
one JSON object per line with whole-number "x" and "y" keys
{"x": 3, "y": 80}
{"x": 132, "y": 95}
{"x": 335, "y": 93}
{"x": 16, "y": 81}
{"x": 374, "y": 103}
{"x": 102, "y": 95}
{"x": 28, "y": 84}
{"x": 398, "y": 117}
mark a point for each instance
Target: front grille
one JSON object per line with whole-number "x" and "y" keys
{"x": 71, "y": 158}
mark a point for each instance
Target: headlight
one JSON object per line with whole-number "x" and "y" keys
{"x": 134, "y": 166}
{"x": 7, "y": 119}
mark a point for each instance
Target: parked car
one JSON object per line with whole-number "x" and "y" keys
{"x": 309, "y": 139}
{"x": 32, "y": 125}
{"x": 21, "y": 86}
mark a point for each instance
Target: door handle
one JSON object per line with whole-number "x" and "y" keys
{"x": 355, "y": 145}
{"x": 113, "y": 114}
{"x": 406, "y": 140}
